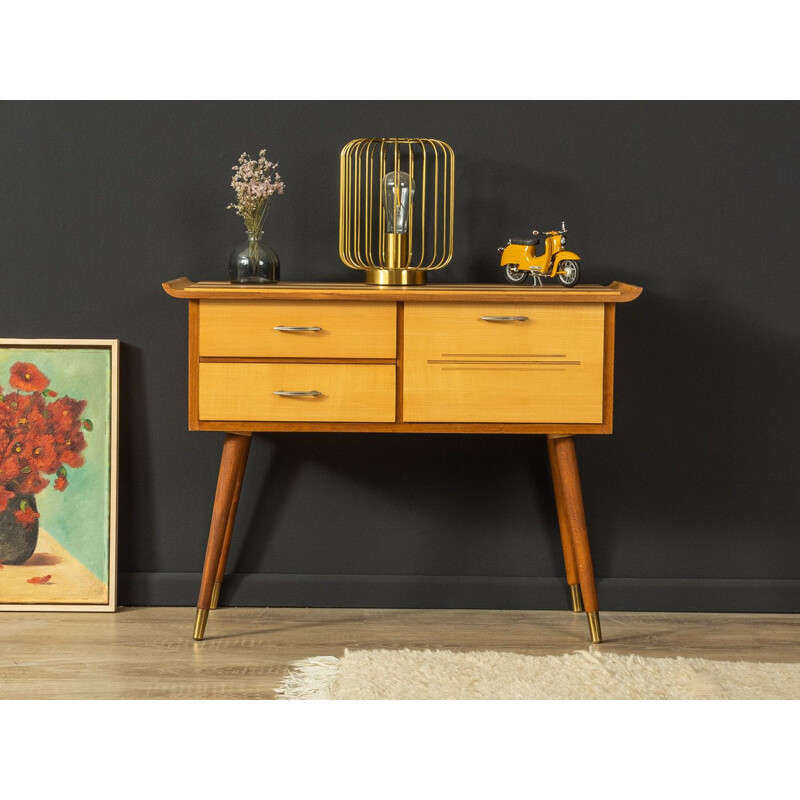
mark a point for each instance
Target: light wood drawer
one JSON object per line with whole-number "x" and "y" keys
{"x": 348, "y": 392}
{"x": 246, "y": 329}
{"x": 462, "y": 368}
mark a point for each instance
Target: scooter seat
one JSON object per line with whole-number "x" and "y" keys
{"x": 526, "y": 242}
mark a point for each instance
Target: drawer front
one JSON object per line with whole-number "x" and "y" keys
{"x": 547, "y": 367}
{"x": 247, "y": 329}
{"x": 347, "y": 392}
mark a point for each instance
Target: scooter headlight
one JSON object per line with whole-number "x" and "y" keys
{"x": 563, "y": 241}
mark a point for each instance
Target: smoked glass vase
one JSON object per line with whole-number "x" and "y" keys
{"x": 254, "y": 262}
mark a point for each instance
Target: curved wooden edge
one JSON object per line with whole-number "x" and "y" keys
{"x": 627, "y": 291}
{"x": 617, "y": 292}
{"x": 175, "y": 288}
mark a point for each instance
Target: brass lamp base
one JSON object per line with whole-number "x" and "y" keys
{"x": 396, "y": 277}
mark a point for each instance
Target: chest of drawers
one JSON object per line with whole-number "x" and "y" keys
{"x": 348, "y": 357}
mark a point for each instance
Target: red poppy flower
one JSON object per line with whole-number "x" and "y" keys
{"x": 5, "y": 496}
{"x": 27, "y": 377}
{"x": 61, "y": 483}
{"x": 27, "y": 516}
{"x": 8, "y": 410}
{"x": 40, "y": 453}
{"x": 69, "y": 448}
{"x": 32, "y": 483}
{"x": 11, "y": 463}
{"x": 23, "y": 413}
{"x": 30, "y": 414}
{"x": 66, "y": 414}
{"x": 10, "y": 469}
{"x": 72, "y": 459}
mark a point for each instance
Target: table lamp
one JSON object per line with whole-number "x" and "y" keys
{"x": 396, "y": 208}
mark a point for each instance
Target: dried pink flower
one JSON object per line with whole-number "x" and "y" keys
{"x": 255, "y": 181}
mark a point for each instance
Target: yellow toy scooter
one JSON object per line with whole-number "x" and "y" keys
{"x": 519, "y": 259}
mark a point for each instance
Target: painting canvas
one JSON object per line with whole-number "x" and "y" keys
{"x": 58, "y": 474}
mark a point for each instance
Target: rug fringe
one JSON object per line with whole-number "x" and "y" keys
{"x": 309, "y": 679}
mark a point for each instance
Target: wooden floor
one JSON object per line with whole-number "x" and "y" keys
{"x": 148, "y": 653}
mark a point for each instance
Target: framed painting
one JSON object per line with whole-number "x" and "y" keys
{"x": 58, "y": 474}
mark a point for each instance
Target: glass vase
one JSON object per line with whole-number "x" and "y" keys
{"x": 254, "y": 262}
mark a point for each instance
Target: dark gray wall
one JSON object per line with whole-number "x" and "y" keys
{"x": 691, "y": 503}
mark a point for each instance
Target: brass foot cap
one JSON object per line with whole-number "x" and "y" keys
{"x": 215, "y": 595}
{"x": 577, "y": 597}
{"x": 200, "y": 623}
{"x": 594, "y": 626}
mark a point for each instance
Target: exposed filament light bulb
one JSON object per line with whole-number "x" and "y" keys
{"x": 398, "y": 192}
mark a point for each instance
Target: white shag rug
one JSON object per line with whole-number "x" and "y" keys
{"x": 584, "y": 675}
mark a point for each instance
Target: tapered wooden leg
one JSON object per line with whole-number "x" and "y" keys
{"x": 567, "y": 466}
{"x": 234, "y": 455}
{"x": 566, "y": 534}
{"x": 226, "y": 542}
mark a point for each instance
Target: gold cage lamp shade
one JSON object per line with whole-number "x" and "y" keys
{"x": 396, "y": 208}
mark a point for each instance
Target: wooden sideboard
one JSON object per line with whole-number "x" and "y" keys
{"x": 447, "y": 358}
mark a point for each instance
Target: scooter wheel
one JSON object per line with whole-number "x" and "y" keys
{"x": 569, "y": 273}
{"x": 514, "y": 274}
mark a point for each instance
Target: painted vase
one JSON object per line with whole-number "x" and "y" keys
{"x": 17, "y": 539}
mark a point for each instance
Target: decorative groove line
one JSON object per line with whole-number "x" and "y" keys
{"x": 503, "y": 355}
{"x": 458, "y": 361}
{"x": 509, "y": 369}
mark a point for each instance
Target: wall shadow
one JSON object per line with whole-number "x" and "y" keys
{"x": 410, "y": 504}
{"x": 137, "y": 531}
{"x": 697, "y": 480}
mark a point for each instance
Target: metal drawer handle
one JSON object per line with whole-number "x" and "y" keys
{"x": 312, "y": 393}
{"x": 295, "y": 328}
{"x": 505, "y": 319}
